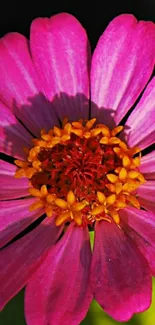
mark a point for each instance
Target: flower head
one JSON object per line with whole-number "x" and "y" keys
{"x": 76, "y": 165}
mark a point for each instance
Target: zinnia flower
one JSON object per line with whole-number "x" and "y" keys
{"x": 76, "y": 165}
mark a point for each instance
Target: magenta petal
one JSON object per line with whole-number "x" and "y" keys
{"x": 11, "y": 187}
{"x": 20, "y": 260}
{"x": 20, "y": 88}
{"x": 143, "y": 222}
{"x": 121, "y": 66}
{"x": 140, "y": 126}
{"x": 59, "y": 293}
{"x": 146, "y": 195}
{"x": 147, "y": 166}
{"x": 13, "y": 136}
{"x": 15, "y": 217}
{"x": 120, "y": 276}
{"x": 59, "y": 48}
{"x": 144, "y": 246}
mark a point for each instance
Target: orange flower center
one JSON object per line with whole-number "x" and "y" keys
{"x": 82, "y": 173}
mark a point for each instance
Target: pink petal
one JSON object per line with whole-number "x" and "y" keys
{"x": 144, "y": 246}
{"x": 13, "y": 136}
{"x": 120, "y": 276}
{"x": 58, "y": 293}
{"x": 11, "y": 187}
{"x": 121, "y": 66}
{"x": 15, "y": 217}
{"x": 59, "y": 48}
{"x": 146, "y": 195}
{"x": 140, "y": 126}
{"x": 20, "y": 260}
{"x": 19, "y": 84}
{"x": 147, "y": 166}
{"x": 143, "y": 222}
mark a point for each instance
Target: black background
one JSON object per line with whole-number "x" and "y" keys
{"x": 94, "y": 15}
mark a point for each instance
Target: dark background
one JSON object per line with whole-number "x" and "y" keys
{"x": 93, "y": 14}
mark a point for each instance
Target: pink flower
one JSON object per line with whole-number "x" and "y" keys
{"x": 80, "y": 173}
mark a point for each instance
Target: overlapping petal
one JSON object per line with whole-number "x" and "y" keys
{"x": 11, "y": 187}
{"x": 20, "y": 88}
{"x": 15, "y": 217}
{"x": 143, "y": 222}
{"x": 13, "y": 136}
{"x": 61, "y": 55}
{"x": 59, "y": 292}
{"x": 117, "y": 289}
{"x": 20, "y": 260}
{"x": 146, "y": 195}
{"x": 140, "y": 126}
{"x": 147, "y": 166}
{"x": 121, "y": 67}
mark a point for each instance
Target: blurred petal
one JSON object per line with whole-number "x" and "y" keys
{"x": 140, "y": 126}
{"x": 15, "y": 217}
{"x": 20, "y": 87}
{"x": 143, "y": 245}
{"x": 13, "y": 136}
{"x": 147, "y": 166}
{"x": 21, "y": 259}
{"x": 121, "y": 66}
{"x": 146, "y": 195}
{"x": 58, "y": 293}
{"x": 11, "y": 187}
{"x": 60, "y": 53}
{"x": 143, "y": 222}
{"x": 120, "y": 276}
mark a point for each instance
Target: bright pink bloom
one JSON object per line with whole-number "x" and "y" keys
{"x": 41, "y": 82}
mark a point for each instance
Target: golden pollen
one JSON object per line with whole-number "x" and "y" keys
{"x": 82, "y": 172}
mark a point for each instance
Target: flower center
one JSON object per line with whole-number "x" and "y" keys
{"x": 82, "y": 173}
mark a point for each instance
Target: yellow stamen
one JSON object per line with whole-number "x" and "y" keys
{"x": 101, "y": 197}
{"x": 95, "y": 132}
{"x": 105, "y": 131}
{"x": 62, "y": 218}
{"x": 115, "y": 215}
{"x": 97, "y": 210}
{"x": 123, "y": 174}
{"x": 21, "y": 163}
{"x": 114, "y": 140}
{"x": 118, "y": 187}
{"x": 46, "y": 137}
{"x": 79, "y": 206}
{"x": 126, "y": 161}
{"x": 90, "y": 123}
{"x": 116, "y": 130}
{"x": 111, "y": 199}
{"x": 77, "y": 132}
{"x": 36, "y": 205}
{"x": 61, "y": 203}
{"x": 49, "y": 211}
{"x": 43, "y": 190}
{"x": 104, "y": 140}
{"x": 51, "y": 198}
{"x": 34, "y": 192}
{"x": 123, "y": 145}
{"x": 77, "y": 125}
{"x": 112, "y": 178}
{"x": 68, "y": 128}
{"x": 133, "y": 174}
{"x": 133, "y": 201}
{"x": 57, "y": 131}
{"x": 111, "y": 187}
{"x": 78, "y": 218}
